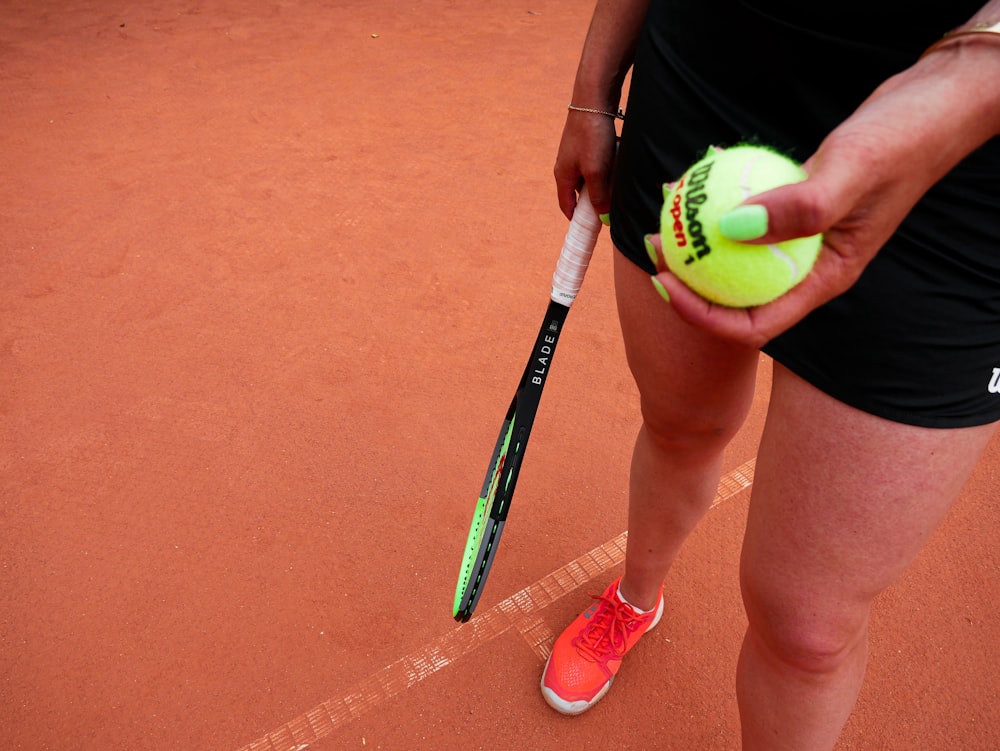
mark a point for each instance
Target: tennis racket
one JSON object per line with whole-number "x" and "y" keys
{"x": 505, "y": 464}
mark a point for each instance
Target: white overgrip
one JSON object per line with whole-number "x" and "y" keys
{"x": 581, "y": 237}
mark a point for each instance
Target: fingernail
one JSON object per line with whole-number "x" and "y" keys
{"x": 660, "y": 288}
{"x": 606, "y": 219}
{"x": 651, "y": 250}
{"x": 744, "y": 223}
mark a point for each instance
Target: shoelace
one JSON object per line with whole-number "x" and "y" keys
{"x": 607, "y": 635}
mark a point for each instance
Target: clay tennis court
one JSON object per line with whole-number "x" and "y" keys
{"x": 270, "y": 272}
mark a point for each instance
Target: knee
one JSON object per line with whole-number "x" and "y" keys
{"x": 808, "y": 647}
{"x": 810, "y": 633}
{"x": 682, "y": 429}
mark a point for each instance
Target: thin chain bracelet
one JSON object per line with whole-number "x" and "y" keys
{"x": 620, "y": 115}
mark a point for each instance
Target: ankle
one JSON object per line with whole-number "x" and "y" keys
{"x": 643, "y": 600}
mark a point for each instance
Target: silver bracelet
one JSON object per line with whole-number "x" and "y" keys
{"x": 620, "y": 115}
{"x": 983, "y": 27}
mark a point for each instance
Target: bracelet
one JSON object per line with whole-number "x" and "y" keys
{"x": 983, "y": 27}
{"x": 618, "y": 116}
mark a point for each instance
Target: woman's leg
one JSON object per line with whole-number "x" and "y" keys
{"x": 842, "y": 503}
{"x": 695, "y": 392}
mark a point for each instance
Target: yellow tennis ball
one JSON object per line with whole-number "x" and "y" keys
{"x": 736, "y": 274}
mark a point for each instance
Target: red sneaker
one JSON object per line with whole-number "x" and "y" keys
{"x": 587, "y": 655}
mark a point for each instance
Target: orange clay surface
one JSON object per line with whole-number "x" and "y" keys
{"x": 268, "y": 275}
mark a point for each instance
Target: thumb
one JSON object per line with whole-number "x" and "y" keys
{"x": 783, "y": 213}
{"x": 599, "y": 190}
{"x": 797, "y": 210}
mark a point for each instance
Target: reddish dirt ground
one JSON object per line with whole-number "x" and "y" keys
{"x": 269, "y": 273}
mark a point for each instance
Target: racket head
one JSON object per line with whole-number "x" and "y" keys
{"x": 484, "y": 529}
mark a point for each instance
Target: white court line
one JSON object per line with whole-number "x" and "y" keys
{"x": 520, "y": 611}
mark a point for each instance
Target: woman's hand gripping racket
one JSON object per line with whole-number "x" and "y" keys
{"x": 501, "y": 477}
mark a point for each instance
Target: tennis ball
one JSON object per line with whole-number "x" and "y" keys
{"x": 736, "y": 274}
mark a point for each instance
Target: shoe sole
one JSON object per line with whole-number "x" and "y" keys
{"x": 573, "y": 708}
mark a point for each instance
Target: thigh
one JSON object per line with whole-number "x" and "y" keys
{"x": 689, "y": 382}
{"x": 842, "y": 503}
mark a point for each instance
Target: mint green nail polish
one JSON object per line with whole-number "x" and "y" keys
{"x": 660, "y": 288}
{"x": 651, "y": 250}
{"x": 744, "y": 223}
{"x": 606, "y": 219}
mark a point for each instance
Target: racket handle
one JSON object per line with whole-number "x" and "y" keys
{"x": 581, "y": 237}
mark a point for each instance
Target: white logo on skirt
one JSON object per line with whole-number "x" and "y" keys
{"x": 995, "y": 383}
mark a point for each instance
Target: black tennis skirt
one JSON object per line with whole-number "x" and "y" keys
{"x": 917, "y": 338}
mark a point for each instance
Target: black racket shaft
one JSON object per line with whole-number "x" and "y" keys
{"x": 522, "y": 411}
